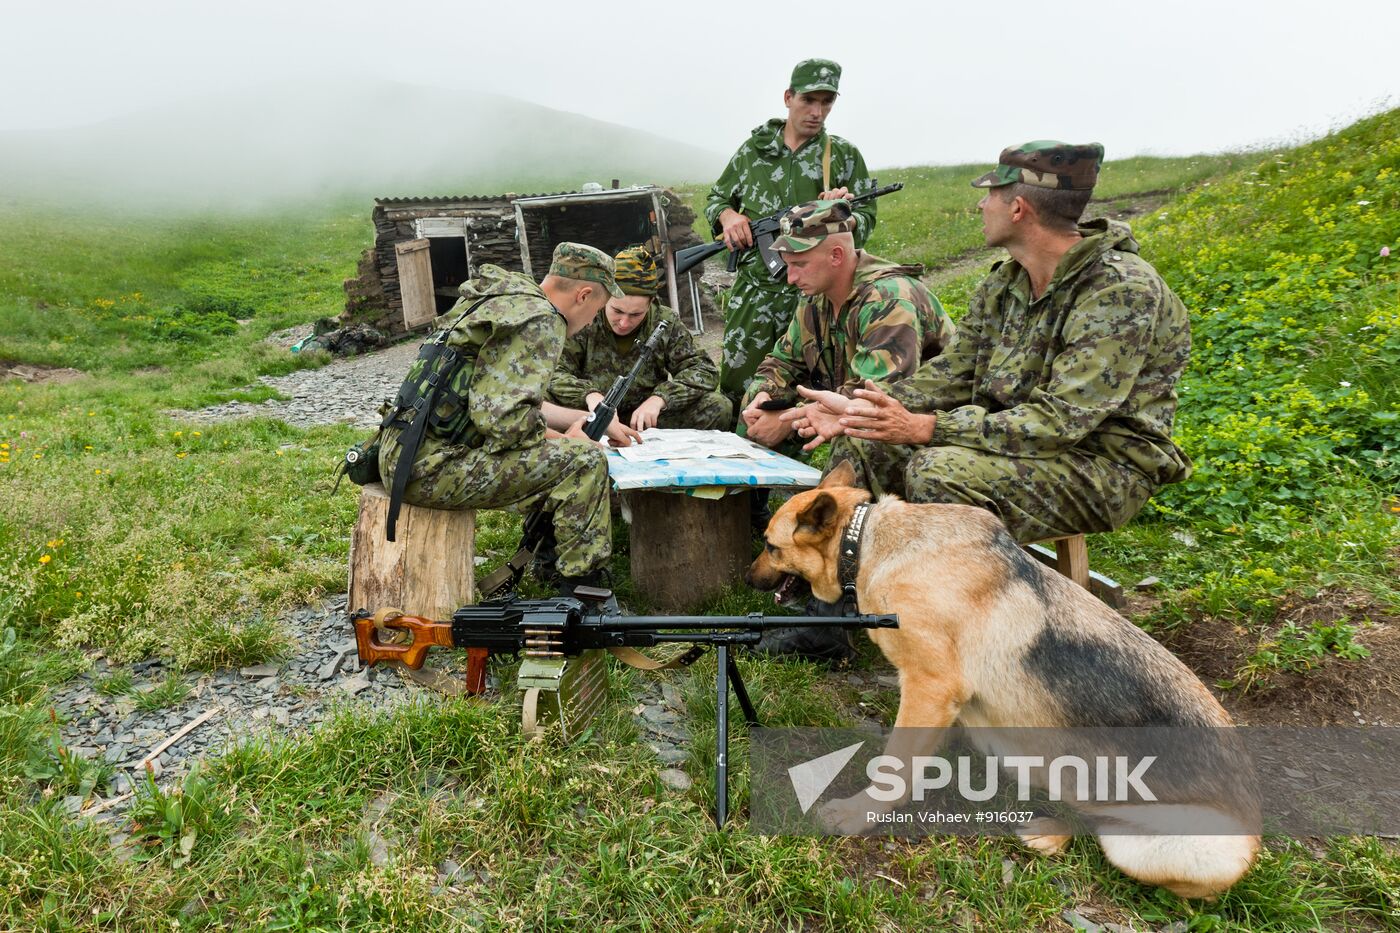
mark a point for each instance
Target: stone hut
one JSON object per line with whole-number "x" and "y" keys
{"x": 425, "y": 247}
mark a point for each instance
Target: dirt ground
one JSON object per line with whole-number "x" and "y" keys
{"x": 26, "y": 372}
{"x": 1336, "y": 692}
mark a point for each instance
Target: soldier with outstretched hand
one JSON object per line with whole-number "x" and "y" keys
{"x": 500, "y": 444}
{"x": 676, "y": 387}
{"x": 785, "y": 161}
{"x": 1053, "y": 406}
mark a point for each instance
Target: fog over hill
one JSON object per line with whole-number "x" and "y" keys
{"x": 263, "y": 146}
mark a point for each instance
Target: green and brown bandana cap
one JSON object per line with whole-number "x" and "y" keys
{"x": 1046, "y": 163}
{"x": 636, "y": 272}
{"x": 584, "y": 264}
{"x": 806, "y": 225}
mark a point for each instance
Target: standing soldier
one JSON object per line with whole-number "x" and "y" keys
{"x": 783, "y": 163}
{"x": 490, "y": 440}
{"x": 675, "y": 389}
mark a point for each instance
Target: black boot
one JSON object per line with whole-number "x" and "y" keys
{"x": 812, "y": 642}
{"x": 759, "y": 514}
{"x": 807, "y": 642}
{"x": 542, "y": 569}
{"x": 595, "y": 578}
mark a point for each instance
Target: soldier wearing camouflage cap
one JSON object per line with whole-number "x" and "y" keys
{"x": 677, "y": 388}
{"x": 503, "y": 446}
{"x": 861, "y": 317}
{"x": 1054, "y": 404}
{"x": 786, "y": 161}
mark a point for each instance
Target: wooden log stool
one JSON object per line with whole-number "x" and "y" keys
{"x": 1071, "y": 558}
{"x": 430, "y": 571}
{"x": 686, "y": 549}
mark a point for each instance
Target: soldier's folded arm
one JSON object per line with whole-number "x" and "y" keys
{"x": 1105, "y": 342}
{"x": 509, "y": 384}
{"x": 693, "y": 373}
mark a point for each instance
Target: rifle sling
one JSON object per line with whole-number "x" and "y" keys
{"x": 826, "y": 166}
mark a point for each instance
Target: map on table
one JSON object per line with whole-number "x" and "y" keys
{"x": 685, "y": 459}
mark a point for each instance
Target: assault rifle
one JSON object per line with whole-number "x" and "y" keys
{"x": 551, "y": 633}
{"x": 765, "y": 231}
{"x": 538, "y": 523}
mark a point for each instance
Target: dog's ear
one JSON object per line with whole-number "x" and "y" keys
{"x": 843, "y": 474}
{"x": 818, "y": 519}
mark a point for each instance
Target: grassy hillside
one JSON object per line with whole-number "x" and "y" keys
{"x": 126, "y": 531}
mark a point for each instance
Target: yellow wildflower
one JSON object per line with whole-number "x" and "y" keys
{"x": 46, "y": 558}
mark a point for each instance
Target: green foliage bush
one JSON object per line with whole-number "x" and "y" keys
{"x": 1296, "y": 324}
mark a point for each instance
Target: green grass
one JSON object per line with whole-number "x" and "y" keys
{"x": 127, "y": 530}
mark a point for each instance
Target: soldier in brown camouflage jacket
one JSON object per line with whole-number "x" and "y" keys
{"x": 675, "y": 389}
{"x": 1054, "y": 404}
{"x": 863, "y": 317}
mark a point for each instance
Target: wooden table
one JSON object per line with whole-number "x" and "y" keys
{"x": 690, "y": 535}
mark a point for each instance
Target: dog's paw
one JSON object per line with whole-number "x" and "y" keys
{"x": 852, "y": 815}
{"x": 1045, "y": 835}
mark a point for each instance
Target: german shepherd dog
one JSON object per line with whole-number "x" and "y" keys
{"x": 989, "y": 637}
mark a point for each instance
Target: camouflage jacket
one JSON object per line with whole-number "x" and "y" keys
{"x": 512, "y": 343}
{"x": 888, "y": 325}
{"x": 680, "y": 372}
{"x": 765, "y": 176}
{"x": 1091, "y": 365}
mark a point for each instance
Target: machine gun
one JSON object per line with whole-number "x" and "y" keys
{"x": 765, "y": 231}
{"x": 553, "y": 634}
{"x": 538, "y": 524}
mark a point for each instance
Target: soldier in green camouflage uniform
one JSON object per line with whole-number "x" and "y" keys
{"x": 863, "y": 318}
{"x": 676, "y": 387}
{"x": 513, "y": 449}
{"x": 784, "y": 162}
{"x": 1053, "y": 406}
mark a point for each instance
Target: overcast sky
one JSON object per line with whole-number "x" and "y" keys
{"x": 922, "y": 84}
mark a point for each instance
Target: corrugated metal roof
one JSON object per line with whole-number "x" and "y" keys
{"x": 452, "y": 198}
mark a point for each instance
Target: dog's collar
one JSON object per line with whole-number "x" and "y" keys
{"x": 848, "y": 559}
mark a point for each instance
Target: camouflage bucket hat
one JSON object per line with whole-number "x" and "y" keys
{"x": 636, "y": 272}
{"x": 808, "y": 224}
{"x": 584, "y": 264}
{"x": 1046, "y": 163}
{"x": 816, "y": 74}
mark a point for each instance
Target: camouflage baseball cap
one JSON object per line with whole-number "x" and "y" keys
{"x": 808, "y": 224}
{"x": 636, "y": 271}
{"x": 815, "y": 74}
{"x": 584, "y": 264}
{"x": 1046, "y": 163}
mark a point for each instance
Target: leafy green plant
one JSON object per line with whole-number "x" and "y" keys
{"x": 1294, "y": 649}
{"x": 170, "y": 823}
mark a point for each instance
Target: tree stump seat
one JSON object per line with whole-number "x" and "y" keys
{"x": 1071, "y": 558}
{"x": 430, "y": 571}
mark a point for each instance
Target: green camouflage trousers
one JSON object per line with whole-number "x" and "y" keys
{"x": 565, "y": 476}
{"x": 755, "y": 316}
{"x": 710, "y": 412}
{"x": 1073, "y": 493}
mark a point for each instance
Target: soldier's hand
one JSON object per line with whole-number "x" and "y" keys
{"x": 874, "y": 416}
{"x": 646, "y": 414}
{"x": 835, "y": 193}
{"x": 735, "y": 229}
{"x": 591, "y": 400}
{"x": 621, "y": 435}
{"x": 820, "y": 419}
{"x": 575, "y": 430}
